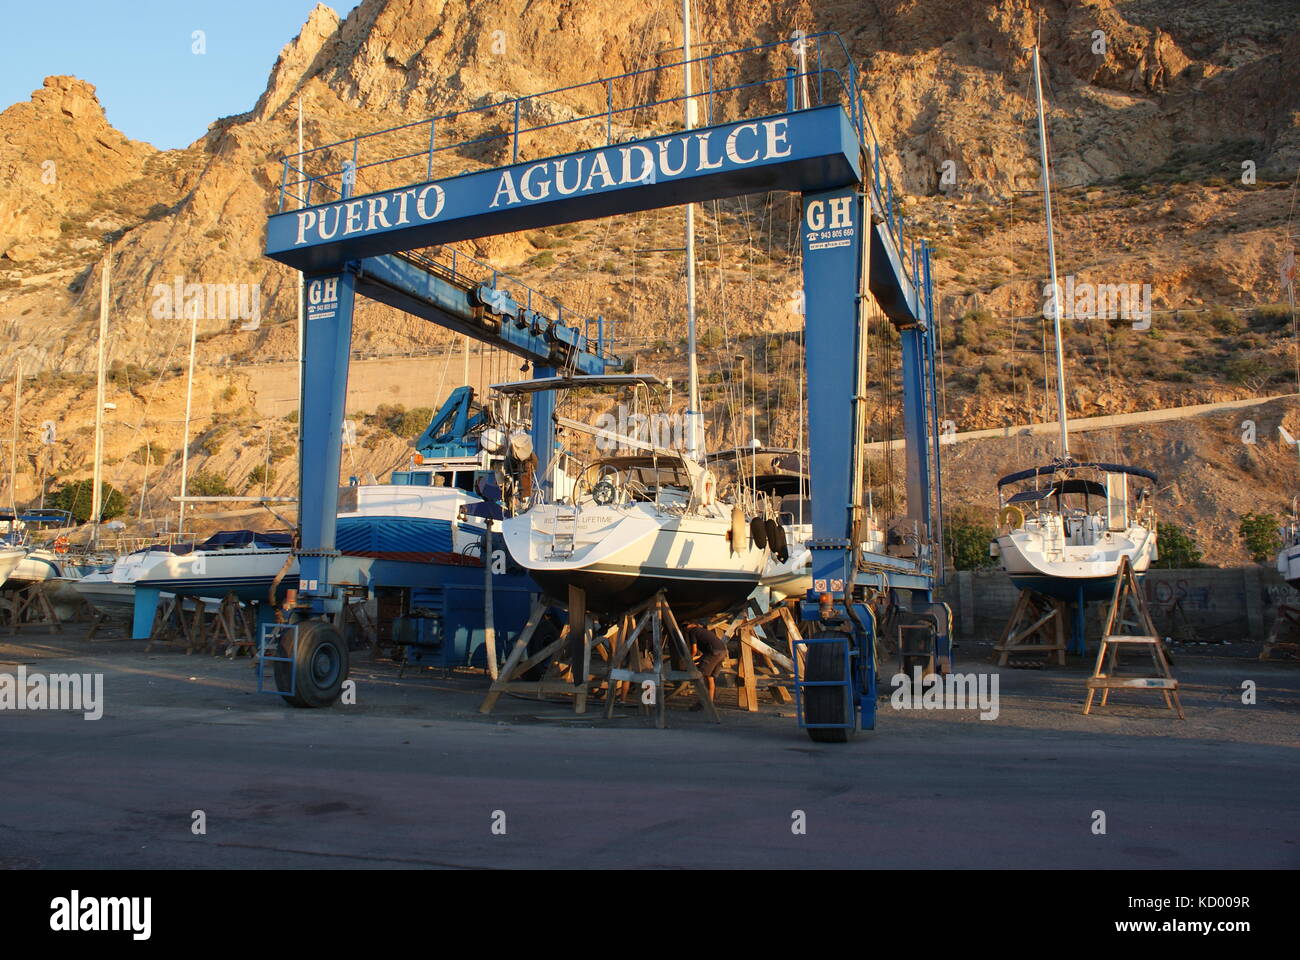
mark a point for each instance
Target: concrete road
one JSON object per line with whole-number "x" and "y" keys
{"x": 412, "y": 775}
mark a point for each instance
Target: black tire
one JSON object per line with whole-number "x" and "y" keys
{"x": 758, "y": 533}
{"x": 776, "y": 540}
{"x": 542, "y": 637}
{"x": 826, "y": 704}
{"x": 322, "y": 662}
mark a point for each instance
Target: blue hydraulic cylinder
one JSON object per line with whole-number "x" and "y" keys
{"x": 543, "y": 429}
{"x": 326, "y": 346}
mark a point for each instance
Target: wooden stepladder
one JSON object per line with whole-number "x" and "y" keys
{"x": 1129, "y": 627}
{"x": 1036, "y": 626}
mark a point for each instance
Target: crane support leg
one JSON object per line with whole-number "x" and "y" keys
{"x": 326, "y": 347}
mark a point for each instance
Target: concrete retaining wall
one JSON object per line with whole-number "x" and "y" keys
{"x": 1231, "y": 604}
{"x": 410, "y": 381}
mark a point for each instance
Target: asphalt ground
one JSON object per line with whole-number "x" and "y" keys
{"x": 412, "y": 775}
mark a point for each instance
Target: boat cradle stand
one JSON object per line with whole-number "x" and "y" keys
{"x": 1037, "y": 625}
{"x": 757, "y": 631}
{"x": 631, "y": 651}
{"x": 29, "y": 606}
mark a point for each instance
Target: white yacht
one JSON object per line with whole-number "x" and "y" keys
{"x": 636, "y": 525}
{"x": 1070, "y": 525}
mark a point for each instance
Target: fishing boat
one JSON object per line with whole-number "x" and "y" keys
{"x": 1068, "y": 529}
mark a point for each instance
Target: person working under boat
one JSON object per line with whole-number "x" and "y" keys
{"x": 712, "y": 652}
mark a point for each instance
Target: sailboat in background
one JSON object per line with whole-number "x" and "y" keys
{"x": 1070, "y": 524}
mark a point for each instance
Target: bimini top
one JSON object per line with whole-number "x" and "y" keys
{"x": 1070, "y": 465}
{"x": 572, "y": 383}
{"x": 233, "y": 539}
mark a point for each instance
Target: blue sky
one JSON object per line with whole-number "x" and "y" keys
{"x": 139, "y": 55}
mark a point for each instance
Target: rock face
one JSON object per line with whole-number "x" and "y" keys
{"x": 57, "y": 154}
{"x": 1155, "y": 109}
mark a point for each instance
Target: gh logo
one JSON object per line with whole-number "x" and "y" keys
{"x": 323, "y": 291}
{"x": 840, "y": 215}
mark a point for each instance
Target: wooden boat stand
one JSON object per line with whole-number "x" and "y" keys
{"x": 29, "y": 606}
{"x": 1037, "y": 625}
{"x": 174, "y": 624}
{"x": 1283, "y": 641}
{"x": 1128, "y": 612}
{"x": 632, "y": 652}
{"x": 755, "y": 629}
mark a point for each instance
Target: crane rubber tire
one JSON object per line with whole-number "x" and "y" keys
{"x": 322, "y": 662}
{"x": 825, "y": 661}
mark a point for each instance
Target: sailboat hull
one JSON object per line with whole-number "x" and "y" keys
{"x": 1037, "y": 561}
{"x": 623, "y": 555}
{"x": 613, "y": 591}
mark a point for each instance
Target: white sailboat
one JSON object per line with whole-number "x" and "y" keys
{"x": 1070, "y": 523}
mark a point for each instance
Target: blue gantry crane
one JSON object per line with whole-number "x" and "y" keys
{"x": 756, "y": 135}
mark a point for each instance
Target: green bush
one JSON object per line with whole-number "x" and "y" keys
{"x": 149, "y": 454}
{"x": 204, "y": 484}
{"x": 1225, "y": 321}
{"x": 966, "y": 541}
{"x": 1177, "y": 550}
{"x": 76, "y": 496}
{"x": 261, "y": 476}
{"x": 412, "y": 423}
{"x": 1260, "y": 532}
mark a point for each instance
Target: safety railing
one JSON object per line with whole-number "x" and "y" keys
{"x": 818, "y": 71}
{"x": 629, "y": 105}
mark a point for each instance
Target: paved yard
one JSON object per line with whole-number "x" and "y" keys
{"x": 414, "y": 775}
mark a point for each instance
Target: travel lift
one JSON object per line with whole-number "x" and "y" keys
{"x": 853, "y": 248}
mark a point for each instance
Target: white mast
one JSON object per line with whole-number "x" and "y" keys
{"x": 13, "y": 454}
{"x": 1051, "y": 259}
{"x": 694, "y": 426}
{"x": 96, "y": 505}
{"x": 189, "y": 400}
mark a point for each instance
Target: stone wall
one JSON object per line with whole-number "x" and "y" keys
{"x": 1224, "y": 605}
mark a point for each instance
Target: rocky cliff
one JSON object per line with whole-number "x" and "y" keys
{"x": 1175, "y": 131}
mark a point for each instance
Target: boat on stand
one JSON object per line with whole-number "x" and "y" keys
{"x": 641, "y": 518}
{"x": 1068, "y": 524}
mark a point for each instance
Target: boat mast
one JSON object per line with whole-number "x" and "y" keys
{"x": 694, "y": 440}
{"x": 1051, "y": 259}
{"x": 185, "y": 439}
{"x": 13, "y": 453}
{"x": 96, "y": 504}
